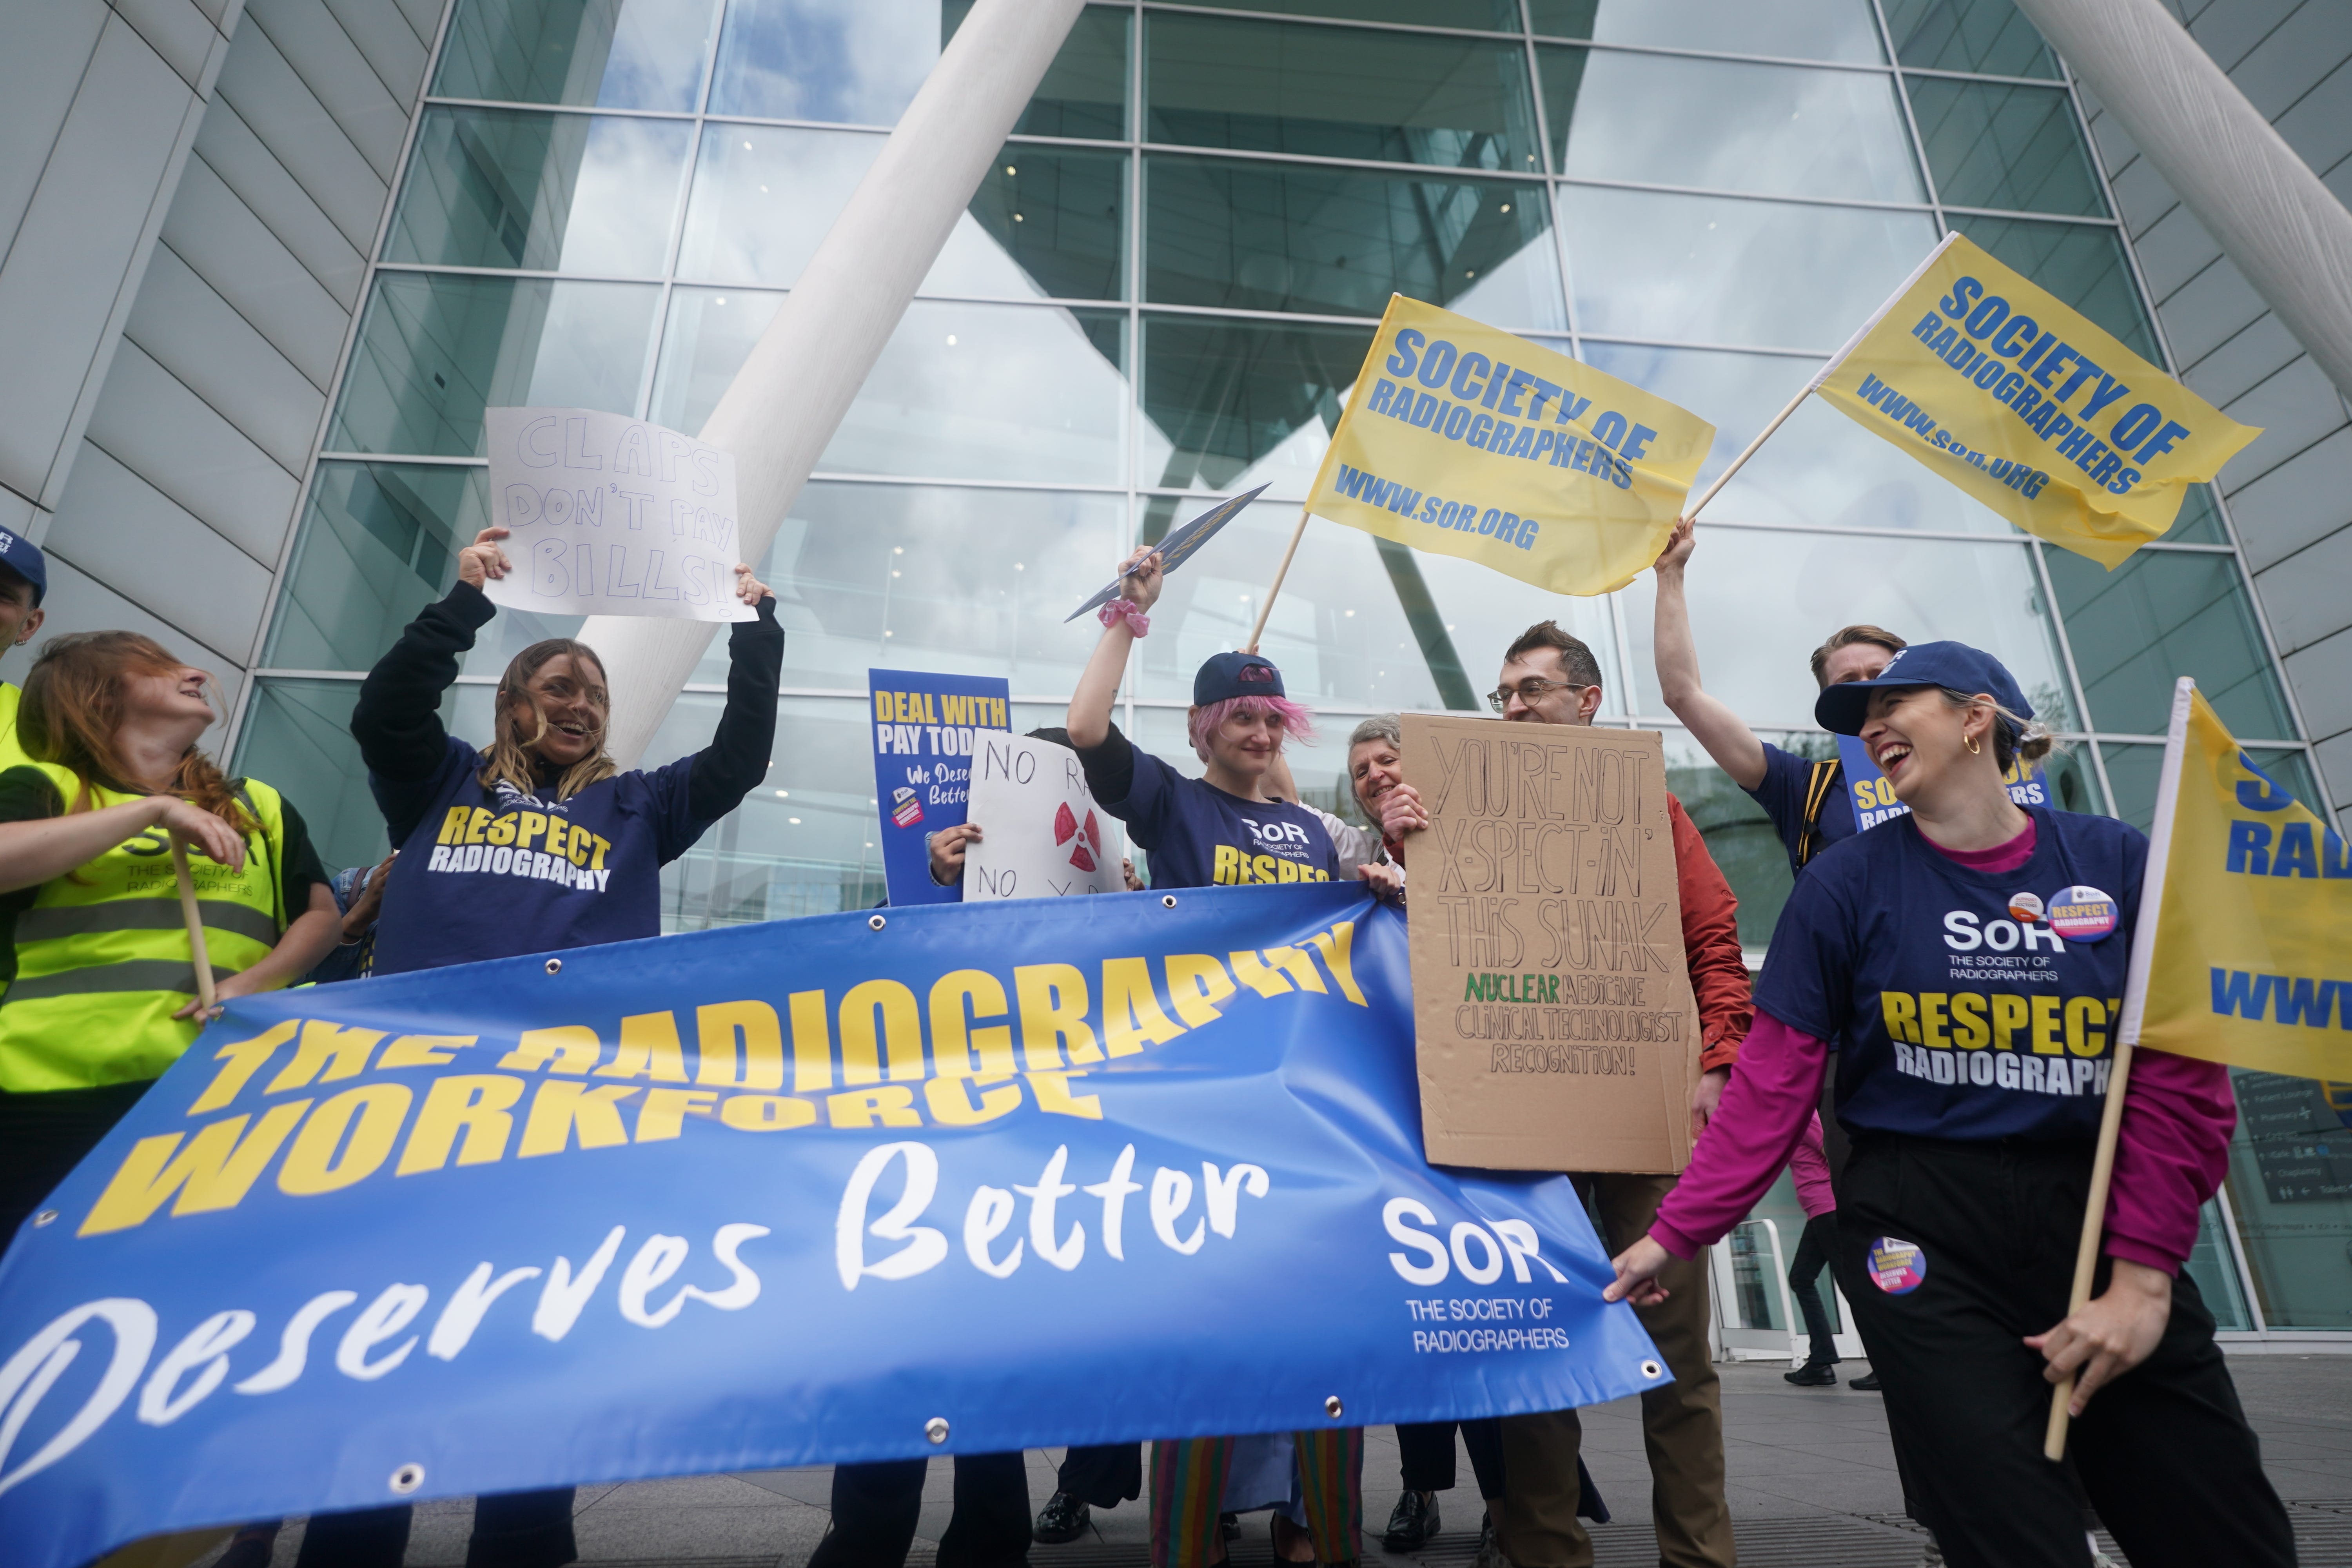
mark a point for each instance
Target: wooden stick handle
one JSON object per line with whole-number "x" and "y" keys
{"x": 2094, "y": 1223}
{"x": 1762, "y": 435}
{"x": 1280, "y": 571}
{"x": 197, "y": 952}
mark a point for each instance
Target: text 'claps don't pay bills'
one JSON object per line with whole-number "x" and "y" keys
{"x": 609, "y": 515}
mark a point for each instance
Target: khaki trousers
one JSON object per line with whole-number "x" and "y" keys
{"x": 1681, "y": 1424}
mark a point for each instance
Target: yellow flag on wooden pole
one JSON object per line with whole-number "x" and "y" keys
{"x": 2030, "y": 406}
{"x": 1463, "y": 440}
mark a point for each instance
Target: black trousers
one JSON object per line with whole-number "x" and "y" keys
{"x": 1427, "y": 1450}
{"x": 1103, "y": 1476}
{"x": 44, "y": 1136}
{"x": 511, "y": 1530}
{"x": 875, "y": 1509}
{"x": 1814, "y": 1250}
{"x": 2164, "y": 1452}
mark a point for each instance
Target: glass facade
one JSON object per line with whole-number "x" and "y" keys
{"x": 1159, "y": 295}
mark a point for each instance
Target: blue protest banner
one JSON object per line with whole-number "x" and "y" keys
{"x": 1872, "y": 792}
{"x": 861, "y": 1186}
{"x": 1178, "y": 547}
{"x": 925, "y": 731}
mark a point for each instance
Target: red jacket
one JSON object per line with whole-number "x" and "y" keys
{"x": 1710, "y": 945}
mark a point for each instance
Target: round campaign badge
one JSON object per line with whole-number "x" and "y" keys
{"x": 2083, "y": 913}
{"x": 1897, "y": 1267}
{"x": 2025, "y": 908}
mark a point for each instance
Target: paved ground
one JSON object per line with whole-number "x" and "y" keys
{"x": 1812, "y": 1486}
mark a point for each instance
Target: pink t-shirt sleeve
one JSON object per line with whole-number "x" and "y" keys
{"x": 1809, "y": 1166}
{"x": 2171, "y": 1153}
{"x": 1775, "y": 1086}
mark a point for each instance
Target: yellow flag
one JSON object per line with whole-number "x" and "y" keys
{"x": 2251, "y": 963}
{"x": 1466, "y": 440}
{"x": 2026, "y": 405}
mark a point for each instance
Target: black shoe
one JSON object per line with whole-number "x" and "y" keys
{"x": 1229, "y": 1525}
{"x": 1413, "y": 1524}
{"x": 1814, "y": 1374}
{"x": 1867, "y": 1382}
{"x": 1062, "y": 1521}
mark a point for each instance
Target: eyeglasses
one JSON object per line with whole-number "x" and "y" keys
{"x": 1531, "y": 690}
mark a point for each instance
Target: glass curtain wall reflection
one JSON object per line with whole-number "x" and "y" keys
{"x": 1161, "y": 293}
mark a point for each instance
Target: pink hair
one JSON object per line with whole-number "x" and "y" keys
{"x": 1298, "y": 719}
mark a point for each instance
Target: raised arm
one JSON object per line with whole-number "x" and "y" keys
{"x": 1726, "y": 736}
{"x": 397, "y": 720}
{"x": 1097, "y": 688}
{"x": 732, "y": 765}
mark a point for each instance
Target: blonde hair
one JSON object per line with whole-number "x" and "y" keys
{"x": 72, "y": 707}
{"x": 2015, "y": 738}
{"x": 510, "y": 760}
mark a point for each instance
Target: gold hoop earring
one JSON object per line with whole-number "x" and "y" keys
{"x": 1970, "y": 743}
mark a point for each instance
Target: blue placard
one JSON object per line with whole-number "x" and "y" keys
{"x": 1178, "y": 547}
{"x": 925, "y": 730}
{"x": 1872, "y": 792}
{"x": 1059, "y": 1171}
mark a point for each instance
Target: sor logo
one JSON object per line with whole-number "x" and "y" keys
{"x": 1963, "y": 932}
{"x": 1471, "y": 1247}
{"x": 1276, "y": 832}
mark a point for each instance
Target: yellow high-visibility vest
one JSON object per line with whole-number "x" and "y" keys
{"x": 103, "y": 959}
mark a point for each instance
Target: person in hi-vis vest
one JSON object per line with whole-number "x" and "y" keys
{"x": 24, "y": 584}
{"x": 100, "y": 976}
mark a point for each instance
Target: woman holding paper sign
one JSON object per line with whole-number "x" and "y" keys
{"x": 1965, "y": 963}
{"x": 538, "y": 844}
{"x": 103, "y": 997}
{"x": 1222, "y": 829}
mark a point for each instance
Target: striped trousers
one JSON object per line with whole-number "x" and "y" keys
{"x": 1188, "y": 1493}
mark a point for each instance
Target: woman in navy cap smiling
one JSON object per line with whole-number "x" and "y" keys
{"x": 1965, "y": 963}
{"x": 1221, "y": 830}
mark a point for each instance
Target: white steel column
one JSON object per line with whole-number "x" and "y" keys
{"x": 789, "y": 398}
{"x": 2284, "y": 229}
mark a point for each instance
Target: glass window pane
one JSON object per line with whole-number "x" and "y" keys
{"x": 435, "y": 350}
{"x": 1482, "y": 611}
{"x": 1820, "y": 468}
{"x": 572, "y": 193}
{"x": 1084, "y": 92}
{"x": 709, "y": 335}
{"x": 1761, "y": 601}
{"x": 1992, "y": 144}
{"x": 2133, "y": 770}
{"x": 611, "y": 54}
{"x": 2291, "y": 1184}
{"x": 763, "y": 198}
{"x": 899, "y": 576}
{"x": 853, "y": 62}
{"x": 1228, "y": 405}
{"x": 2215, "y": 1270}
{"x": 1263, "y": 236}
{"x": 1793, "y": 29}
{"x": 1728, "y": 125}
{"x": 992, "y": 391}
{"x": 298, "y": 740}
{"x": 1338, "y": 92}
{"x": 1986, "y": 35}
{"x": 1719, "y": 269}
{"x": 1489, "y": 16}
{"x": 2081, "y": 263}
{"x": 2160, "y": 615}
{"x": 2200, "y": 522}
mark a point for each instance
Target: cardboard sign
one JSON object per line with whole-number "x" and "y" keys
{"x": 926, "y": 729}
{"x": 612, "y": 516}
{"x": 1872, "y": 792}
{"x": 1553, "y": 1010}
{"x": 1177, "y": 548}
{"x": 1043, "y": 835}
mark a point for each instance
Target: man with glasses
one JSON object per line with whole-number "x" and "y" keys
{"x": 1551, "y": 678}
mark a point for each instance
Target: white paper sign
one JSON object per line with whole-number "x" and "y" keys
{"x": 1042, "y": 835}
{"x": 614, "y": 516}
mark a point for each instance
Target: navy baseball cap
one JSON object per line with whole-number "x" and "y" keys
{"x": 23, "y": 557}
{"x": 1235, "y": 675}
{"x": 1841, "y": 708}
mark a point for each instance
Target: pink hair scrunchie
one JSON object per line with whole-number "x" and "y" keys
{"x": 1120, "y": 610}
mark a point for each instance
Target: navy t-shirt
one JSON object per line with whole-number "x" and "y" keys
{"x": 493, "y": 873}
{"x": 1781, "y": 794}
{"x": 1953, "y": 1007}
{"x": 1199, "y": 835}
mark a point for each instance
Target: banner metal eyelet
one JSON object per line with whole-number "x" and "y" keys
{"x": 876, "y": 922}
{"x": 555, "y": 966}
